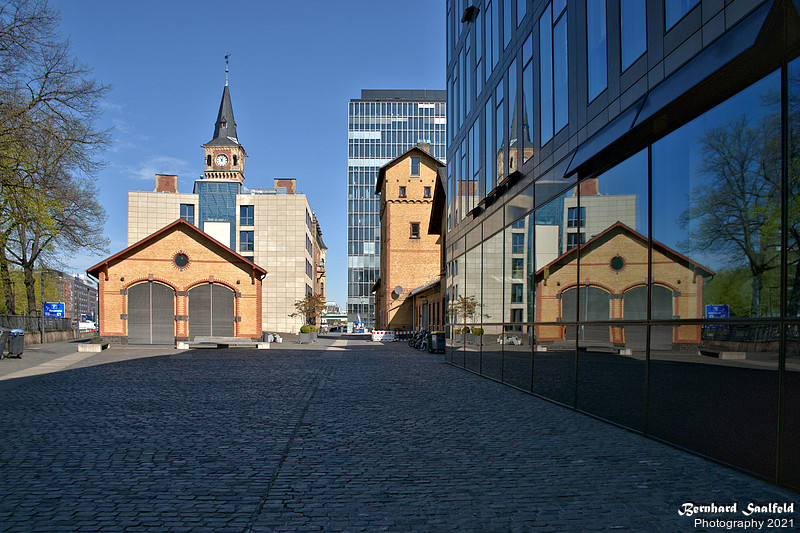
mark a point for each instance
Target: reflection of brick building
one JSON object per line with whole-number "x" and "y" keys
{"x": 613, "y": 266}
{"x": 177, "y": 284}
{"x": 410, "y": 256}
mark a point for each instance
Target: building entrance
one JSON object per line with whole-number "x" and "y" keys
{"x": 211, "y": 311}
{"x": 151, "y": 314}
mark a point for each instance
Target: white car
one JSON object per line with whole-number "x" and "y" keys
{"x": 87, "y": 326}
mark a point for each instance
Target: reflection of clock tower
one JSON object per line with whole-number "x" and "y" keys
{"x": 224, "y": 155}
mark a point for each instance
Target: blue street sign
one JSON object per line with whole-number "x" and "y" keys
{"x": 717, "y": 311}
{"x": 55, "y": 309}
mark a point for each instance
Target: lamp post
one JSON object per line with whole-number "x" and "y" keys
{"x": 41, "y": 312}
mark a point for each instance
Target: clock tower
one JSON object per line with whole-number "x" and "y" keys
{"x": 224, "y": 156}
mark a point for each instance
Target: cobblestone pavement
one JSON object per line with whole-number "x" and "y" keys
{"x": 341, "y": 435}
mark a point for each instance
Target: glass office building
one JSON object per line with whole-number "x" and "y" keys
{"x": 622, "y": 216}
{"x": 382, "y": 124}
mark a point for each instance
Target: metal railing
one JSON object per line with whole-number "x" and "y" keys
{"x": 33, "y": 323}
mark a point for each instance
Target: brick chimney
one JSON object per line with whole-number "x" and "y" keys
{"x": 425, "y": 147}
{"x": 166, "y": 183}
{"x": 289, "y": 183}
{"x": 590, "y": 187}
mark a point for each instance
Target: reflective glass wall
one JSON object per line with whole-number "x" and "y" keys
{"x": 662, "y": 294}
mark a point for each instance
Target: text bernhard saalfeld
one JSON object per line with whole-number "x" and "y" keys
{"x": 689, "y": 508}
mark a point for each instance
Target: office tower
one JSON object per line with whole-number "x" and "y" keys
{"x": 622, "y": 199}
{"x": 382, "y": 124}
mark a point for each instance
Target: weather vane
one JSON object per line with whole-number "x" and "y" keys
{"x": 227, "y": 56}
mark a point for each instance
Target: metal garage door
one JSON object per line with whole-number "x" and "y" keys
{"x": 211, "y": 311}
{"x": 594, "y": 305}
{"x": 151, "y": 314}
{"x": 635, "y": 308}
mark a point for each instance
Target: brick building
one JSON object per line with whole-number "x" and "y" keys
{"x": 176, "y": 284}
{"x": 410, "y": 255}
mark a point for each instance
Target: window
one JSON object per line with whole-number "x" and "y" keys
{"x": 187, "y": 213}
{"x": 246, "y": 215}
{"x": 516, "y": 293}
{"x": 553, "y": 97}
{"x": 402, "y": 192}
{"x": 576, "y": 217}
{"x": 575, "y": 239}
{"x": 415, "y": 166}
{"x": 596, "y": 49}
{"x": 517, "y": 268}
{"x": 527, "y": 99}
{"x": 246, "y": 243}
{"x": 235, "y": 160}
{"x": 517, "y": 316}
{"x": 674, "y": 10}
{"x": 427, "y": 192}
{"x": 633, "y": 30}
{"x": 208, "y": 160}
{"x": 519, "y": 224}
{"x": 517, "y": 243}
{"x": 415, "y": 230}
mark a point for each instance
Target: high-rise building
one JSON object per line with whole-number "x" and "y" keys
{"x": 622, "y": 194}
{"x": 382, "y": 124}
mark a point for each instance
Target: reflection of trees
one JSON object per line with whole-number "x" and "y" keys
{"x": 736, "y": 210}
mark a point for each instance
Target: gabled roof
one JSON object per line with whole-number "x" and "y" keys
{"x": 256, "y": 273}
{"x": 608, "y": 234}
{"x": 393, "y": 162}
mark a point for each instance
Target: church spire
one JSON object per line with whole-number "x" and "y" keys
{"x": 225, "y": 127}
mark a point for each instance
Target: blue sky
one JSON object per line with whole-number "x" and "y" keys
{"x": 293, "y": 68}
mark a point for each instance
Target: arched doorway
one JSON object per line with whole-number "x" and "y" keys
{"x": 211, "y": 311}
{"x": 151, "y": 313}
{"x": 594, "y": 305}
{"x": 634, "y": 305}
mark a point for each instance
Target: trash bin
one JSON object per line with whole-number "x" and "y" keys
{"x": 3, "y": 341}
{"x": 436, "y": 342}
{"x": 16, "y": 342}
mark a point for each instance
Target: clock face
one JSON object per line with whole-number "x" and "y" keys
{"x": 221, "y": 160}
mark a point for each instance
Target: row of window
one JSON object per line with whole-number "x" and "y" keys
{"x": 396, "y": 109}
{"x": 426, "y": 193}
{"x": 503, "y": 132}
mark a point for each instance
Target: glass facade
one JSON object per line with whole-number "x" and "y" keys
{"x": 642, "y": 264}
{"x": 382, "y": 124}
{"x": 217, "y": 203}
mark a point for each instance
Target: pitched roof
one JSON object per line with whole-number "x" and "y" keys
{"x": 616, "y": 229}
{"x": 257, "y": 271}
{"x": 393, "y": 162}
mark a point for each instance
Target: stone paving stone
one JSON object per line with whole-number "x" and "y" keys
{"x": 378, "y": 438}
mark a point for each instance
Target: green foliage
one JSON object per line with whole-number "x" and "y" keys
{"x": 477, "y": 331}
{"x": 309, "y": 308}
{"x": 457, "y": 331}
{"x": 305, "y": 329}
{"x": 51, "y": 292}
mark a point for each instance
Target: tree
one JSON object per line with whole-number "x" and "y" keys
{"x": 48, "y": 145}
{"x": 309, "y": 308}
{"x": 466, "y": 307}
{"x": 736, "y": 210}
